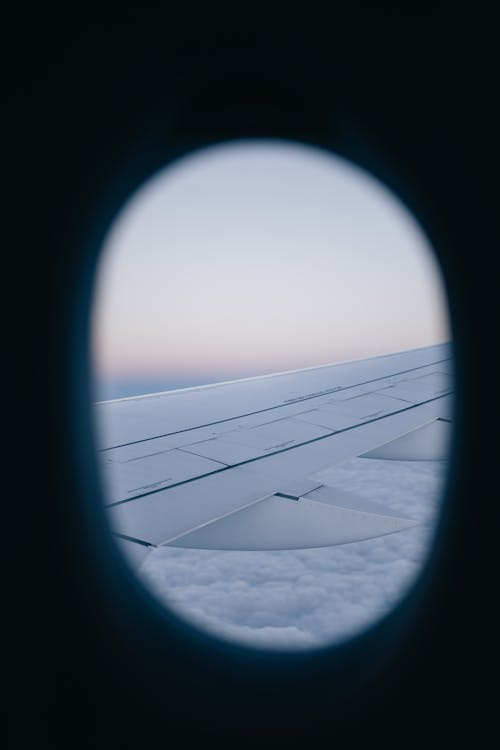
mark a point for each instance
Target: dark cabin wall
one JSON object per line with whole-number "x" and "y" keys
{"x": 95, "y": 101}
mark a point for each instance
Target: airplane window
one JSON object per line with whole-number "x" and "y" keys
{"x": 273, "y": 384}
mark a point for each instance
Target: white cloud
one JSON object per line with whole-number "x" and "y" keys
{"x": 308, "y": 598}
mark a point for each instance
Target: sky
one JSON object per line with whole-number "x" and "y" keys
{"x": 253, "y": 257}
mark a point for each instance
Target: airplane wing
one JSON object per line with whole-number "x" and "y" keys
{"x": 232, "y": 465}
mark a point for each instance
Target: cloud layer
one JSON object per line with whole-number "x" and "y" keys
{"x": 307, "y": 598}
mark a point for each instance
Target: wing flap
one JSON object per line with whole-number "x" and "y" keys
{"x": 278, "y": 522}
{"x": 166, "y": 513}
{"x": 427, "y": 443}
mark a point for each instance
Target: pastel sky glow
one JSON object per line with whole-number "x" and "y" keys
{"x": 259, "y": 256}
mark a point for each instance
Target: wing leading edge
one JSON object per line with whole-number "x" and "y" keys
{"x": 232, "y": 466}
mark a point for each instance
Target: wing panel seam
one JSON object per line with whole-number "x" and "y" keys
{"x": 299, "y": 399}
{"x": 282, "y": 450}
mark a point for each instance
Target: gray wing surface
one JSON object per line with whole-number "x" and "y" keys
{"x": 232, "y": 465}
